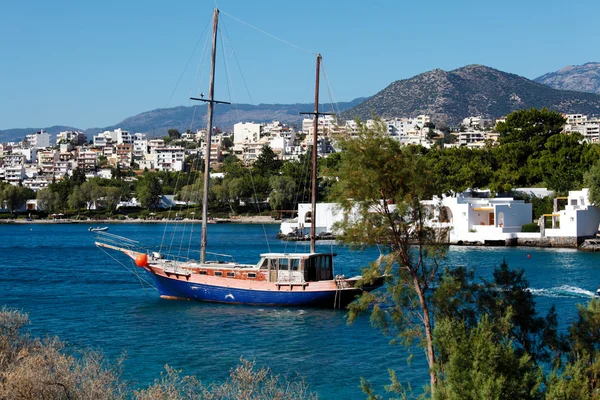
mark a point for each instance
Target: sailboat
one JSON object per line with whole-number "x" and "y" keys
{"x": 278, "y": 279}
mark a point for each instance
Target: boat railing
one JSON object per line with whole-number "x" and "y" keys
{"x": 105, "y": 238}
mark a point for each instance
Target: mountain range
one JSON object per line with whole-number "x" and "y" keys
{"x": 473, "y": 90}
{"x": 447, "y": 96}
{"x": 157, "y": 122}
{"x": 582, "y": 78}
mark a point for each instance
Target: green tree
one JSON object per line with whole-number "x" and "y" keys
{"x": 591, "y": 180}
{"x": 174, "y": 134}
{"x": 267, "y": 162}
{"x": 149, "y": 190}
{"x": 76, "y": 198}
{"x": 15, "y": 196}
{"x": 48, "y": 200}
{"x": 380, "y": 186}
{"x": 482, "y": 362}
{"x": 561, "y": 163}
{"x": 113, "y": 196}
{"x": 530, "y": 126}
{"x": 282, "y": 192}
{"x": 77, "y": 176}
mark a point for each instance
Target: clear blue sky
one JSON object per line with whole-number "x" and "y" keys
{"x": 94, "y": 63}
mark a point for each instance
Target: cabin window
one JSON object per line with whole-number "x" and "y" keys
{"x": 218, "y": 273}
{"x": 294, "y": 264}
{"x": 251, "y": 275}
{"x": 284, "y": 264}
{"x": 231, "y": 274}
{"x": 264, "y": 264}
{"x": 202, "y": 272}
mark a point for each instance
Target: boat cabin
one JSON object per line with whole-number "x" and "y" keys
{"x": 297, "y": 267}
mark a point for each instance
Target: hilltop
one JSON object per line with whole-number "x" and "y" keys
{"x": 582, "y": 78}
{"x": 448, "y": 97}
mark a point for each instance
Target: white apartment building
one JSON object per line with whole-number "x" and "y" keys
{"x": 471, "y": 138}
{"x": 86, "y": 159}
{"x": 36, "y": 184}
{"x": 575, "y": 119}
{"x": 14, "y": 174}
{"x": 74, "y": 137}
{"x": 39, "y": 140}
{"x": 169, "y": 158}
{"x": 476, "y": 122}
{"x": 245, "y": 133}
{"x": 327, "y": 125}
{"x": 46, "y": 160}
{"x": 29, "y": 153}
{"x": 13, "y": 159}
{"x": 155, "y": 144}
{"x": 118, "y": 136}
{"x": 140, "y": 148}
{"x": 589, "y": 130}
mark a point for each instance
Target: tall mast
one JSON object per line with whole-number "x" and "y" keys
{"x": 315, "y": 114}
{"x": 207, "y": 139}
{"x": 313, "y": 215}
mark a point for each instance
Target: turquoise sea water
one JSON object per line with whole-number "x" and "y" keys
{"x": 74, "y": 290}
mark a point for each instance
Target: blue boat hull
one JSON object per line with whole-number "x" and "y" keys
{"x": 201, "y": 292}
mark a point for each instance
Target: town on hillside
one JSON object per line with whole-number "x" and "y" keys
{"x": 38, "y": 161}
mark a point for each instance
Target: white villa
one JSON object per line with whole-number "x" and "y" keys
{"x": 479, "y": 220}
{"x": 476, "y": 219}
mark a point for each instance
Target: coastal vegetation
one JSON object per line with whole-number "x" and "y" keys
{"x": 482, "y": 339}
{"x": 33, "y": 368}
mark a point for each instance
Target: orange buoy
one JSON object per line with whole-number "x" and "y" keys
{"x": 141, "y": 260}
{"x": 528, "y": 255}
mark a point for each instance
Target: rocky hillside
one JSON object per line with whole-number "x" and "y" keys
{"x": 469, "y": 91}
{"x": 582, "y": 78}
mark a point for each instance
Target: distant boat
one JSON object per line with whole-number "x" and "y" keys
{"x": 98, "y": 229}
{"x": 278, "y": 279}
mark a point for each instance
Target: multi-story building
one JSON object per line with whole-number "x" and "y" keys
{"x": 327, "y": 125}
{"x": 76, "y": 138}
{"x": 13, "y": 159}
{"x": 124, "y": 155}
{"x": 169, "y": 158}
{"x": 86, "y": 159}
{"x": 14, "y": 174}
{"x": 46, "y": 160}
{"x": 246, "y": 133}
{"x": 63, "y": 168}
{"x": 29, "y": 153}
{"x": 39, "y": 140}
{"x": 140, "y": 146}
{"x": 575, "y": 119}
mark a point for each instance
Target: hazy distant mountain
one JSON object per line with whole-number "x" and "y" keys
{"x": 18, "y": 134}
{"x": 474, "y": 90}
{"x": 582, "y": 78}
{"x": 158, "y": 122}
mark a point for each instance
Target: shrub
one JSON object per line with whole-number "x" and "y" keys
{"x": 532, "y": 227}
{"x": 31, "y": 368}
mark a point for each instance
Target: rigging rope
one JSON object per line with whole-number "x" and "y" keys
{"x": 269, "y": 34}
{"x": 142, "y": 280}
